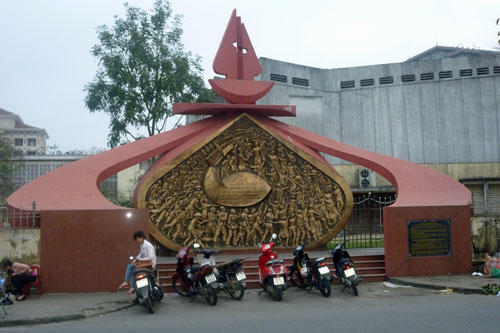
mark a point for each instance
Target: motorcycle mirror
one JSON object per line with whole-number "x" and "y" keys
{"x": 131, "y": 258}
{"x": 274, "y": 236}
{"x": 196, "y": 245}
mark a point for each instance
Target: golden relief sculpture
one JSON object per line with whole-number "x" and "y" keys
{"x": 241, "y": 186}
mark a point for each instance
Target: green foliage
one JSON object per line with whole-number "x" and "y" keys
{"x": 122, "y": 200}
{"x": 143, "y": 69}
{"x": 10, "y": 159}
{"x": 491, "y": 289}
{"x": 498, "y": 23}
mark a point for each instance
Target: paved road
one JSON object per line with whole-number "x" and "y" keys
{"x": 377, "y": 309}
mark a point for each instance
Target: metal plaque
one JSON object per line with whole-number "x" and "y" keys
{"x": 429, "y": 238}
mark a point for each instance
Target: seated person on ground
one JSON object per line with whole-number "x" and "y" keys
{"x": 19, "y": 275}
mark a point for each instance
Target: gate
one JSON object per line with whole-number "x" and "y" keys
{"x": 366, "y": 227}
{"x": 15, "y": 218}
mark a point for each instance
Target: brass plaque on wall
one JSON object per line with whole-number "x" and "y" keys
{"x": 240, "y": 185}
{"x": 429, "y": 238}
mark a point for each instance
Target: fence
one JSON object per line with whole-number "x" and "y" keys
{"x": 366, "y": 226}
{"x": 18, "y": 218}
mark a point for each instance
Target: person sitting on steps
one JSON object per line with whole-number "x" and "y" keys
{"x": 147, "y": 253}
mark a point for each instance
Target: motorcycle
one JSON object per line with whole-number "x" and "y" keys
{"x": 306, "y": 273}
{"x": 231, "y": 278}
{"x": 147, "y": 290}
{"x": 344, "y": 269}
{"x": 191, "y": 280}
{"x": 272, "y": 271}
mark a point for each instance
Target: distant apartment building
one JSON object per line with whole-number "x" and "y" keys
{"x": 30, "y": 140}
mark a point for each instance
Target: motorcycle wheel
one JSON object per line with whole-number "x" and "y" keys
{"x": 295, "y": 279}
{"x": 211, "y": 295}
{"x": 354, "y": 288}
{"x": 179, "y": 288}
{"x": 236, "y": 291}
{"x": 277, "y": 294}
{"x": 324, "y": 287}
{"x": 149, "y": 305}
{"x": 158, "y": 293}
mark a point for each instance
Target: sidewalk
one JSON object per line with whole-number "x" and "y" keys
{"x": 52, "y": 308}
{"x": 467, "y": 284}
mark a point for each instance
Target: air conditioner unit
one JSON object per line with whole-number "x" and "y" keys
{"x": 367, "y": 178}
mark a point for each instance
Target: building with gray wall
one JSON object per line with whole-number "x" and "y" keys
{"x": 440, "y": 108}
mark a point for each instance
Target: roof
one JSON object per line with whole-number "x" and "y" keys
{"x": 438, "y": 52}
{"x": 19, "y": 123}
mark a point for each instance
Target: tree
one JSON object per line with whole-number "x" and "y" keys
{"x": 10, "y": 160}
{"x": 143, "y": 69}
{"x": 498, "y": 34}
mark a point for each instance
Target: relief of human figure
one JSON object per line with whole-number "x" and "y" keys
{"x": 256, "y": 226}
{"x": 268, "y": 223}
{"x": 242, "y": 160}
{"x": 179, "y": 218}
{"x": 282, "y": 218}
{"x": 232, "y": 228}
{"x": 194, "y": 235}
{"x": 221, "y": 226}
{"x": 314, "y": 224}
{"x": 292, "y": 226}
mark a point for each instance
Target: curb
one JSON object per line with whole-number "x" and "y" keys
{"x": 437, "y": 287}
{"x": 83, "y": 314}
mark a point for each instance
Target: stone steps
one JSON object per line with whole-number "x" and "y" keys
{"x": 371, "y": 267}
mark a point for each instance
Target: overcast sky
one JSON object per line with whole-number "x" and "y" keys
{"x": 45, "y": 45}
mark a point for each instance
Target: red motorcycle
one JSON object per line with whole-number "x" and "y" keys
{"x": 191, "y": 280}
{"x": 272, "y": 271}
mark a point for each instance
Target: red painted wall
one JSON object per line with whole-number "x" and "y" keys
{"x": 397, "y": 259}
{"x": 87, "y": 250}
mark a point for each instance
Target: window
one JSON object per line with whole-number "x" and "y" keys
{"x": 408, "y": 78}
{"x": 347, "y": 84}
{"x": 445, "y": 74}
{"x": 31, "y": 152}
{"x": 466, "y": 72}
{"x": 18, "y": 142}
{"x": 366, "y": 82}
{"x": 300, "y": 82}
{"x": 485, "y": 197}
{"x": 32, "y": 142}
{"x": 483, "y": 71}
{"x": 278, "y": 78}
{"x": 426, "y": 76}
{"x": 386, "y": 80}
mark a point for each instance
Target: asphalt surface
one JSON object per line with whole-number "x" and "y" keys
{"x": 377, "y": 309}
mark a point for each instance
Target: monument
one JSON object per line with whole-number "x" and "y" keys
{"x": 230, "y": 180}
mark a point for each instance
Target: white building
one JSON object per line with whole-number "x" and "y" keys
{"x": 30, "y": 140}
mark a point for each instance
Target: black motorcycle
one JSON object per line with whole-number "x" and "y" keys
{"x": 306, "y": 273}
{"x": 344, "y": 269}
{"x": 232, "y": 278}
{"x": 147, "y": 289}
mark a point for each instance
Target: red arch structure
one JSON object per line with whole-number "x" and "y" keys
{"x": 91, "y": 237}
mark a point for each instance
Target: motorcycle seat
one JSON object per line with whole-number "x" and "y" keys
{"x": 195, "y": 268}
{"x": 344, "y": 260}
{"x": 274, "y": 262}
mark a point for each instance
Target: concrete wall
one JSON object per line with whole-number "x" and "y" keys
{"x": 486, "y": 234}
{"x": 127, "y": 180}
{"x": 452, "y": 120}
{"x": 22, "y": 245}
{"x": 458, "y": 171}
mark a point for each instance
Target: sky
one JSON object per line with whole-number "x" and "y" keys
{"x": 45, "y": 58}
